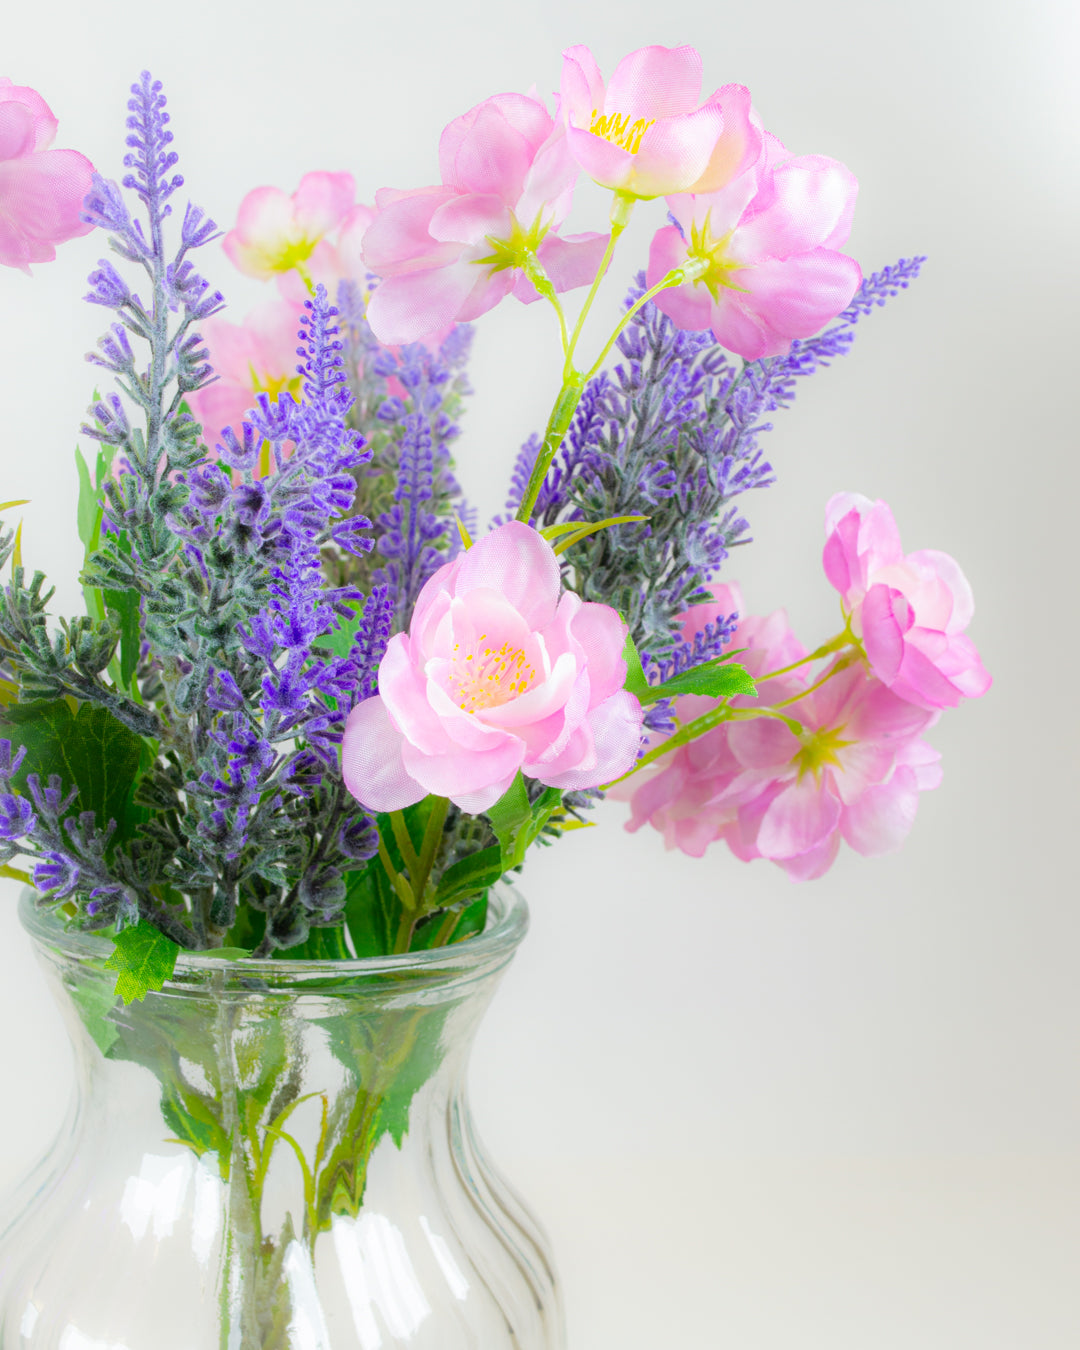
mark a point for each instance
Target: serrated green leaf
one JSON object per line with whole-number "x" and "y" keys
{"x": 89, "y": 749}
{"x": 340, "y": 640}
{"x": 143, "y": 959}
{"x": 720, "y": 678}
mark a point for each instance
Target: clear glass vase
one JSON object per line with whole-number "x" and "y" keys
{"x": 275, "y": 1154}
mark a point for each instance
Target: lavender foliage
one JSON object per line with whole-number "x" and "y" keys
{"x": 674, "y": 433}
{"x": 238, "y": 714}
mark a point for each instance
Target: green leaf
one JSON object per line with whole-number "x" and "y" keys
{"x": 94, "y": 1000}
{"x": 467, "y": 921}
{"x": 469, "y": 876}
{"x": 373, "y": 911}
{"x": 720, "y": 678}
{"x": 124, "y": 607}
{"x": 143, "y": 959}
{"x": 226, "y": 953}
{"x": 636, "y": 683}
{"x": 584, "y": 529}
{"x": 89, "y": 511}
{"x": 340, "y": 640}
{"x": 88, "y": 748}
{"x": 510, "y": 814}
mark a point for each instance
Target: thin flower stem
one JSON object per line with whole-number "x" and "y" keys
{"x": 620, "y": 215}
{"x": 678, "y": 276}
{"x": 840, "y": 665}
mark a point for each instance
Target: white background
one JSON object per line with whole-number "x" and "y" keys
{"x": 838, "y": 1116}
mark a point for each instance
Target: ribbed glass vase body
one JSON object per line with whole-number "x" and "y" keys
{"x": 275, "y": 1154}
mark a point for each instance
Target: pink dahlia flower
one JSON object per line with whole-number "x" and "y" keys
{"x": 854, "y": 773}
{"x": 909, "y": 610}
{"x": 450, "y": 253}
{"x": 766, "y": 247}
{"x": 275, "y": 232}
{"x": 41, "y": 190}
{"x": 501, "y": 670}
{"x": 257, "y": 356}
{"x": 643, "y": 133}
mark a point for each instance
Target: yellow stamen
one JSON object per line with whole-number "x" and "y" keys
{"x": 618, "y": 129}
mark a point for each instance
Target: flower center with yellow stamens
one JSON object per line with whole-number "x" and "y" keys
{"x": 820, "y": 748}
{"x": 710, "y": 255}
{"x": 487, "y": 677}
{"x": 620, "y": 129}
{"x": 273, "y": 385}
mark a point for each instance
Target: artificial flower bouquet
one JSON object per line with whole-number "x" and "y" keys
{"x": 314, "y": 712}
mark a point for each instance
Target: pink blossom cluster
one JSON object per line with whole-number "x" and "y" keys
{"x": 41, "y": 190}
{"x": 757, "y": 240}
{"x": 829, "y": 754}
{"x": 501, "y": 670}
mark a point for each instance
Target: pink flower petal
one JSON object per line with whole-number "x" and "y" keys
{"x": 812, "y": 206}
{"x": 322, "y": 201}
{"x": 371, "y": 760}
{"x": 655, "y": 82}
{"x": 800, "y": 819}
{"x": 880, "y": 819}
{"x": 403, "y": 308}
{"x": 521, "y": 565}
{"x": 43, "y": 122}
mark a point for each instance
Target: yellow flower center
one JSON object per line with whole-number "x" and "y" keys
{"x": 273, "y": 384}
{"x": 619, "y": 129}
{"x": 820, "y": 748}
{"x": 709, "y": 254}
{"x": 488, "y": 677}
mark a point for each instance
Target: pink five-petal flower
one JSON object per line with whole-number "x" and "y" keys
{"x": 275, "y": 232}
{"x": 692, "y": 795}
{"x": 855, "y": 772}
{"x": 909, "y": 610}
{"x": 41, "y": 190}
{"x": 500, "y": 670}
{"x": 643, "y": 134}
{"x": 257, "y": 356}
{"x": 766, "y": 248}
{"x": 451, "y": 252}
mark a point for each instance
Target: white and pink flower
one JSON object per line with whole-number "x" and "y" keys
{"x": 765, "y": 249}
{"x": 451, "y": 252}
{"x": 276, "y": 232}
{"x": 909, "y": 610}
{"x": 643, "y": 133}
{"x": 501, "y": 671}
{"x": 257, "y": 356}
{"x": 41, "y": 190}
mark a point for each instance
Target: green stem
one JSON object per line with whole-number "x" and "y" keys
{"x": 243, "y": 1238}
{"x": 562, "y": 414}
{"x": 404, "y": 842}
{"x": 430, "y": 847}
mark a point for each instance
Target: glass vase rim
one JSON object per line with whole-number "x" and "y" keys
{"x": 507, "y": 924}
